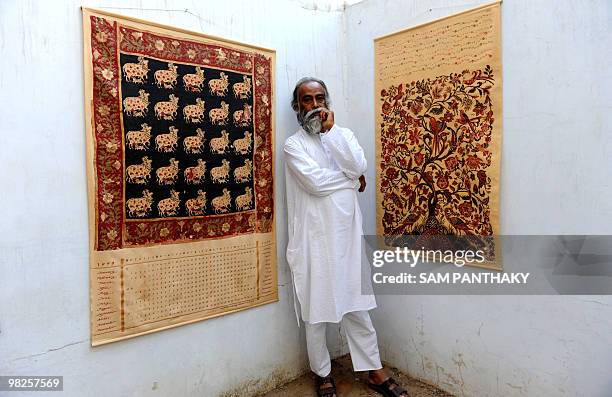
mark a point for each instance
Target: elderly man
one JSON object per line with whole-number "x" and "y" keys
{"x": 324, "y": 167}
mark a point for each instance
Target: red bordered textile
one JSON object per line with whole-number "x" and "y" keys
{"x": 114, "y": 228}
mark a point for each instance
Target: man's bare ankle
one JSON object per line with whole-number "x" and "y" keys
{"x": 378, "y": 376}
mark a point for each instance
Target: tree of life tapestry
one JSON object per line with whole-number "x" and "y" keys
{"x": 180, "y": 164}
{"x": 438, "y": 123}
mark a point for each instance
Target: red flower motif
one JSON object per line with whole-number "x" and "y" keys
{"x": 442, "y": 182}
{"x": 413, "y": 136}
{"x": 451, "y": 163}
{"x": 473, "y": 162}
{"x": 466, "y": 209}
{"x": 479, "y": 108}
{"x": 418, "y": 158}
{"x": 448, "y": 116}
{"x": 386, "y": 108}
{"x": 391, "y": 173}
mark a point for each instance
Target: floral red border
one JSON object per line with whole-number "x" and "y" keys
{"x": 112, "y": 230}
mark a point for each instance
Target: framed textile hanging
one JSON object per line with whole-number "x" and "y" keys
{"x": 180, "y": 137}
{"x": 438, "y": 94}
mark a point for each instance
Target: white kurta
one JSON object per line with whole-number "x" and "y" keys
{"x": 325, "y": 223}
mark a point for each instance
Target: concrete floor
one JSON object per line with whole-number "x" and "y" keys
{"x": 352, "y": 384}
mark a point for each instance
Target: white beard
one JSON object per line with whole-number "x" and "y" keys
{"x": 312, "y": 123}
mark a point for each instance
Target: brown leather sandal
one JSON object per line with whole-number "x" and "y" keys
{"x": 389, "y": 388}
{"x": 329, "y": 391}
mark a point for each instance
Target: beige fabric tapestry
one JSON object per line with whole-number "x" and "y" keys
{"x": 180, "y": 137}
{"x": 438, "y": 96}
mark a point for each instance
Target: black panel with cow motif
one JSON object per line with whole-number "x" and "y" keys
{"x": 179, "y": 120}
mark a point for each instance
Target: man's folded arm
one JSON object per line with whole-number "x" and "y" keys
{"x": 346, "y": 151}
{"x": 314, "y": 179}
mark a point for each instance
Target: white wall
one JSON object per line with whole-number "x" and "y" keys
{"x": 44, "y": 292}
{"x": 556, "y": 167}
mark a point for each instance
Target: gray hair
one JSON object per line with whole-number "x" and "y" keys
{"x": 304, "y": 80}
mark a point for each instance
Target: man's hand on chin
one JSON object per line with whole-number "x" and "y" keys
{"x": 327, "y": 117}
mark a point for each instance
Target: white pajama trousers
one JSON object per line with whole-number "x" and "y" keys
{"x": 362, "y": 342}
